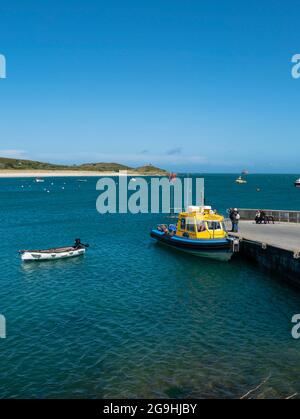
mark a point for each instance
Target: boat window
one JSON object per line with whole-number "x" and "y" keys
{"x": 190, "y": 224}
{"x": 201, "y": 226}
{"x": 214, "y": 225}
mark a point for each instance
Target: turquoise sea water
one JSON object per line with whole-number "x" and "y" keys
{"x": 132, "y": 318}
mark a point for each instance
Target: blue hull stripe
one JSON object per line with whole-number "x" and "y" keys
{"x": 198, "y": 242}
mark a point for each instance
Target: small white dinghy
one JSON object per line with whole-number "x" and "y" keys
{"x": 56, "y": 253}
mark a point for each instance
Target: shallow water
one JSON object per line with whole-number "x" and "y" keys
{"x": 132, "y": 318}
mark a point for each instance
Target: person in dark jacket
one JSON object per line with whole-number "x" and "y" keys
{"x": 231, "y": 212}
{"x": 262, "y": 217}
{"x": 257, "y": 217}
{"x": 235, "y": 217}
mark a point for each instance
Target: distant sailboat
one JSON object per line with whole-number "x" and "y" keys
{"x": 172, "y": 177}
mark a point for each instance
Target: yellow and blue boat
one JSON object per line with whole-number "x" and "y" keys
{"x": 200, "y": 231}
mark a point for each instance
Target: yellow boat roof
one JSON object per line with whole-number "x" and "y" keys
{"x": 202, "y": 213}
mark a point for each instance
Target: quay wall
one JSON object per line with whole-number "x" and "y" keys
{"x": 285, "y": 263}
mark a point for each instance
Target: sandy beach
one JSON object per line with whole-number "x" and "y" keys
{"x": 64, "y": 173}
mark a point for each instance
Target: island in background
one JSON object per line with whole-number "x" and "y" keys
{"x": 29, "y": 168}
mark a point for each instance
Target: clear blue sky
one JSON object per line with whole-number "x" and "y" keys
{"x": 184, "y": 84}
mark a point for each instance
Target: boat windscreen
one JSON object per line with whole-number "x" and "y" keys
{"x": 214, "y": 225}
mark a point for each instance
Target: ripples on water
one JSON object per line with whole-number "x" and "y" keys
{"x": 131, "y": 318}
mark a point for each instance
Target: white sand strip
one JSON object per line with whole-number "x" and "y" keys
{"x": 61, "y": 173}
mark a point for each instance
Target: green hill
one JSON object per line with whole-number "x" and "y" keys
{"x": 19, "y": 164}
{"x": 104, "y": 167}
{"x": 149, "y": 169}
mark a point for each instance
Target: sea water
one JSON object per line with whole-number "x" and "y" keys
{"x": 132, "y": 318}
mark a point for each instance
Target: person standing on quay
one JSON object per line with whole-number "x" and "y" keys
{"x": 235, "y": 217}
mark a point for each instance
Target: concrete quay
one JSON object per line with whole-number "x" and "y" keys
{"x": 275, "y": 247}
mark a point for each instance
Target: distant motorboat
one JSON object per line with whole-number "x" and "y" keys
{"x": 82, "y": 180}
{"x": 39, "y": 180}
{"x": 78, "y": 249}
{"x": 240, "y": 180}
{"x": 297, "y": 183}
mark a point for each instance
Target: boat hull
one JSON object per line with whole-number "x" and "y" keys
{"x": 218, "y": 249}
{"x": 35, "y": 256}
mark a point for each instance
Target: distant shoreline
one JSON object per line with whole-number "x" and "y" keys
{"x": 65, "y": 173}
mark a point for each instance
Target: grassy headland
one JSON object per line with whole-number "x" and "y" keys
{"x": 19, "y": 166}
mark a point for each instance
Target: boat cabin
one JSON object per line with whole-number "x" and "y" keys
{"x": 201, "y": 223}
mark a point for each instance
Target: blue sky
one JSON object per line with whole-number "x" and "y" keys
{"x": 187, "y": 85}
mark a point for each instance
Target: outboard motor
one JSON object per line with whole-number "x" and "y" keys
{"x": 77, "y": 244}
